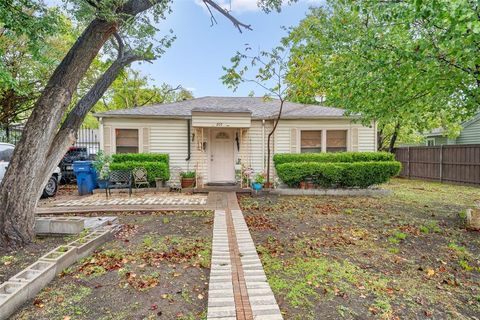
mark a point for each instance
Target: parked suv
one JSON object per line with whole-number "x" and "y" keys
{"x": 6, "y": 152}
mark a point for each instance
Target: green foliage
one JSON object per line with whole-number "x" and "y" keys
{"x": 141, "y": 157}
{"x": 346, "y": 175}
{"x": 333, "y": 157}
{"x": 154, "y": 169}
{"x": 102, "y": 164}
{"x": 33, "y": 39}
{"x": 397, "y": 237}
{"x": 259, "y": 178}
{"x": 410, "y": 65}
{"x": 188, "y": 174}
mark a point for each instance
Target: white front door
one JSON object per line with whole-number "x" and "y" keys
{"x": 222, "y": 166}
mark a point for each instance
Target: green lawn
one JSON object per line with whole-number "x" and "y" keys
{"x": 402, "y": 256}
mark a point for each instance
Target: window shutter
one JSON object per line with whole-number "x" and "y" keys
{"x": 293, "y": 141}
{"x": 107, "y": 139}
{"x": 354, "y": 139}
{"x": 146, "y": 140}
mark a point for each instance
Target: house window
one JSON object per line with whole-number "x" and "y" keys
{"x": 431, "y": 142}
{"x": 336, "y": 140}
{"x": 126, "y": 140}
{"x": 311, "y": 141}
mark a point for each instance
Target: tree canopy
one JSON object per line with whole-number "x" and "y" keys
{"x": 410, "y": 65}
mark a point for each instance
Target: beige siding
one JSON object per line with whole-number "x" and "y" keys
{"x": 199, "y": 157}
{"x": 219, "y": 121}
{"x": 366, "y": 139}
{"x": 170, "y": 136}
{"x": 256, "y": 133}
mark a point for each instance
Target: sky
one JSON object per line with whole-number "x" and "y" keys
{"x": 196, "y": 57}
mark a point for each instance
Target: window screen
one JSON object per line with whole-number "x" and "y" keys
{"x": 336, "y": 140}
{"x": 126, "y": 140}
{"x": 311, "y": 141}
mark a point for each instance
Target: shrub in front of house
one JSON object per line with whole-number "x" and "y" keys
{"x": 141, "y": 157}
{"x": 333, "y": 157}
{"x": 154, "y": 169}
{"x": 338, "y": 174}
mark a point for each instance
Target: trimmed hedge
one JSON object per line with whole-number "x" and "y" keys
{"x": 338, "y": 174}
{"x": 332, "y": 157}
{"x": 154, "y": 169}
{"x": 140, "y": 157}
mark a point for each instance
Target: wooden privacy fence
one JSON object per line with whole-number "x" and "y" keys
{"x": 445, "y": 163}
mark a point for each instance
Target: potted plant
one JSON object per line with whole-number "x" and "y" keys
{"x": 258, "y": 181}
{"x": 187, "y": 179}
{"x": 303, "y": 185}
{"x": 102, "y": 167}
{"x": 309, "y": 183}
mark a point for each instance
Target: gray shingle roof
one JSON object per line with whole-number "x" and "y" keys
{"x": 258, "y": 107}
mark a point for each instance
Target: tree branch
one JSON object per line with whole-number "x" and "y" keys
{"x": 67, "y": 133}
{"x": 120, "y": 44}
{"x": 239, "y": 25}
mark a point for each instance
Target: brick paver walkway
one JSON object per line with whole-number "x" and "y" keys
{"x": 192, "y": 200}
{"x": 238, "y": 286}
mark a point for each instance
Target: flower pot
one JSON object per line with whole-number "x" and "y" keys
{"x": 102, "y": 183}
{"x": 310, "y": 185}
{"x": 268, "y": 185}
{"x": 257, "y": 186}
{"x": 303, "y": 185}
{"x": 188, "y": 183}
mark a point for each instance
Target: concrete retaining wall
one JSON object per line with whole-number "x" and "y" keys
{"x": 27, "y": 283}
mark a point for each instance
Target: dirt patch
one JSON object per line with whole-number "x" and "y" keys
{"x": 157, "y": 267}
{"x": 259, "y": 223}
{"x": 404, "y": 256}
{"x": 12, "y": 262}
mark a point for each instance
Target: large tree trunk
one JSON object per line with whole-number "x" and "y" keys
{"x": 44, "y": 142}
{"x": 29, "y": 170}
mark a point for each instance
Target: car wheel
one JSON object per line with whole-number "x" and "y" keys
{"x": 51, "y": 188}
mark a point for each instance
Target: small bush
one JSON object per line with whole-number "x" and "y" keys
{"x": 140, "y": 157}
{"x": 154, "y": 169}
{"x": 333, "y": 157}
{"x": 346, "y": 175}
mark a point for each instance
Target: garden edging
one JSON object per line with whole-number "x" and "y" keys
{"x": 28, "y": 282}
{"x": 330, "y": 192}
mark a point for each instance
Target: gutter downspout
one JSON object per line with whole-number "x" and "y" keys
{"x": 188, "y": 140}
{"x": 263, "y": 145}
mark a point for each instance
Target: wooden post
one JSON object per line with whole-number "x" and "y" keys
{"x": 408, "y": 162}
{"x": 441, "y": 163}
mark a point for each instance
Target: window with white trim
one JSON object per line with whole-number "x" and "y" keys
{"x": 431, "y": 142}
{"x": 310, "y": 141}
{"x": 126, "y": 140}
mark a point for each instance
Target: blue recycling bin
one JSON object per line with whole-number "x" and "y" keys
{"x": 86, "y": 176}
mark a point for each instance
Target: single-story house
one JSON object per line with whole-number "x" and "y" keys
{"x": 469, "y": 134}
{"x": 213, "y": 134}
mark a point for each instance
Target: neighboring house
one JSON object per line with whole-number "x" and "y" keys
{"x": 212, "y": 134}
{"x": 470, "y": 134}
